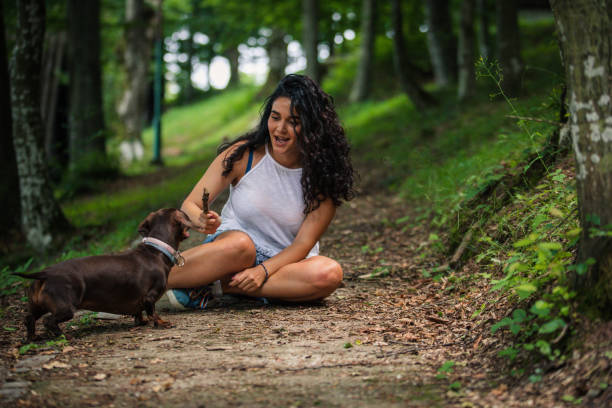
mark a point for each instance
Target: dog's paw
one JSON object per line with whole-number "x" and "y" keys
{"x": 162, "y": 324}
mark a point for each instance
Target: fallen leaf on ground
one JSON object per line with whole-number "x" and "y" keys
{"x": 55, "y": 364}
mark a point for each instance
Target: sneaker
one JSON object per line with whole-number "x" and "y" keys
{"x": 194, "y": 298}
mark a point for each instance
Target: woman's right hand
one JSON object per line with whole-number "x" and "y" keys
{"x": 209, "y": 221}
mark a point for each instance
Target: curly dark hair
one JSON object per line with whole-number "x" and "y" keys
{"x": 327, "y": 171}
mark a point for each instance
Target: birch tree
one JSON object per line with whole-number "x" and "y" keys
{"x": 583, "y": 28}
{"x": 41, "y": 217}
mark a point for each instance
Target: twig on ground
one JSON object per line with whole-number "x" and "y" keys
{"x": 464, "y": 243}
{"x": 437, "y": 320}
{"x": 561, "y": 335}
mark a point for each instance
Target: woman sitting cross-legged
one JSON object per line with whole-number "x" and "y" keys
{"x": 286, "y": 179}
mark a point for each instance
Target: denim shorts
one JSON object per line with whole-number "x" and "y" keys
{"x": 260, "y": 256}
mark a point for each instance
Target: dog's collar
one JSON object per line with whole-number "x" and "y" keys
{"x": 174, "y": 255}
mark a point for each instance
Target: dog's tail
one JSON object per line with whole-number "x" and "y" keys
{"x": 36, "y": 275}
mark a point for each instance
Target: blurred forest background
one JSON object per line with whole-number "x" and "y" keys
{"x": 457, "y": 107}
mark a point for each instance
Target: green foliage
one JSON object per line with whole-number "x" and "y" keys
{"x": 537, "y": 267}
{"x": 446, "y": 368}
{"x": 87, "y": 319}
{"x": 87, "y": 174}
{"x": 10, "y": 284}
{"x": 194, "y": 131}
{"x": 56, "y": 343}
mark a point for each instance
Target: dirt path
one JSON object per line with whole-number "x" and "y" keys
{"x": 375, "y": 342}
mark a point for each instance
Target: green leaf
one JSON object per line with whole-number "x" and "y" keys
{"x": 541, "y": 308}
{"x": 551, "y": 246}
{"x": 523, "y": 243}
{"x": 519, "y": 315}
{"x": 525, "y": 290}
{"x": 347, "y": 345}
{"x": 502, "y": 323}
{"x": 515, "y": 328}
{"x": 447, "y": 367}
{"x": 402, "y": 219}
{"x": 552, "y": 326}
{"x": 544, "y": 347}
{"x": 455, "y": 386}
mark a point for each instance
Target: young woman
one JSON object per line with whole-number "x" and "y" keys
{"x": 286, "y": 179}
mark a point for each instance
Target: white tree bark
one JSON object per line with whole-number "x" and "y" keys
{"x": 583, "y": 28}
{"x": 41, "y": 216}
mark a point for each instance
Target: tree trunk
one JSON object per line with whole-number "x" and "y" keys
{"x": 508, "y": 46}
{"x": 583, "y": 28}
{"x": 41, "y": 216}
{"x": 9, "y": 188}
{"x": 86, "y": 119}
{"x": 138, "y": 46}
{"x": 310, "y": 37}
{"x": 361, "y": 86}
{"x": 53, "y": 57}
{"x": 188, "y": 92}
{"x": 404, "y": 69}
{"x": 232, "y": 55}
{"x": 277, "y": 54}
{"x": 441, "y": 41}
{"x": 484, "y": 35}
{"x": 467, "y": 75}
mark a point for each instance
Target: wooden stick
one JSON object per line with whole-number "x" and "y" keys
{"x": 205, "y": 197}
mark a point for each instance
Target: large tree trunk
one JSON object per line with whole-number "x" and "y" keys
{"x": 441, "y": 41}
{"x": 508, "y": 46}
{"x": 583, "y": 27}
{"x": 86, "y": 120}
{"x": 9, "y": 188}
{"x": 188, "y": 93}
{"x": 41, "y": 216}
{"x": 361, "y": 86}
{"x": 53, "y": 57}
{"x": 276, "y": 48}
{"x": 232, "y": 56}
{"x": 138, "y": 46}
{"x": 310, "y": 37}
{"x": 466, "y": 54}
{"x": 404, "y": 69}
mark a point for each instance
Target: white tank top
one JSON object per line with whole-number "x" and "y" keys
{"x": 267, "y": 204}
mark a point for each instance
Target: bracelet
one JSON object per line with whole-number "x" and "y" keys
{"x": 266, "y": 271}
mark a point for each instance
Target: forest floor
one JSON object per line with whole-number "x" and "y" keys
{"x": 396, "y": 339}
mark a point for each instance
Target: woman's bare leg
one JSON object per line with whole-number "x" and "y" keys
{"x": 310, "y": 279}
{"x": 229, "y": 253}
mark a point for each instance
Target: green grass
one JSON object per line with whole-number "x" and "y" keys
{"x": 189, "y": 132}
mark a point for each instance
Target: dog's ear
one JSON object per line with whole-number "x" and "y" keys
{"x": 145, "y": 226}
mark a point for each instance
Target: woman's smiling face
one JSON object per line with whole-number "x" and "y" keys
{"x": 284, "y": 127}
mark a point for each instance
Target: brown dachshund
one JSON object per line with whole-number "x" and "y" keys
{"x": 126, "y": 283}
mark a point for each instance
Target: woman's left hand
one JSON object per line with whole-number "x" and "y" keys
{"x": 249, "y": 280}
